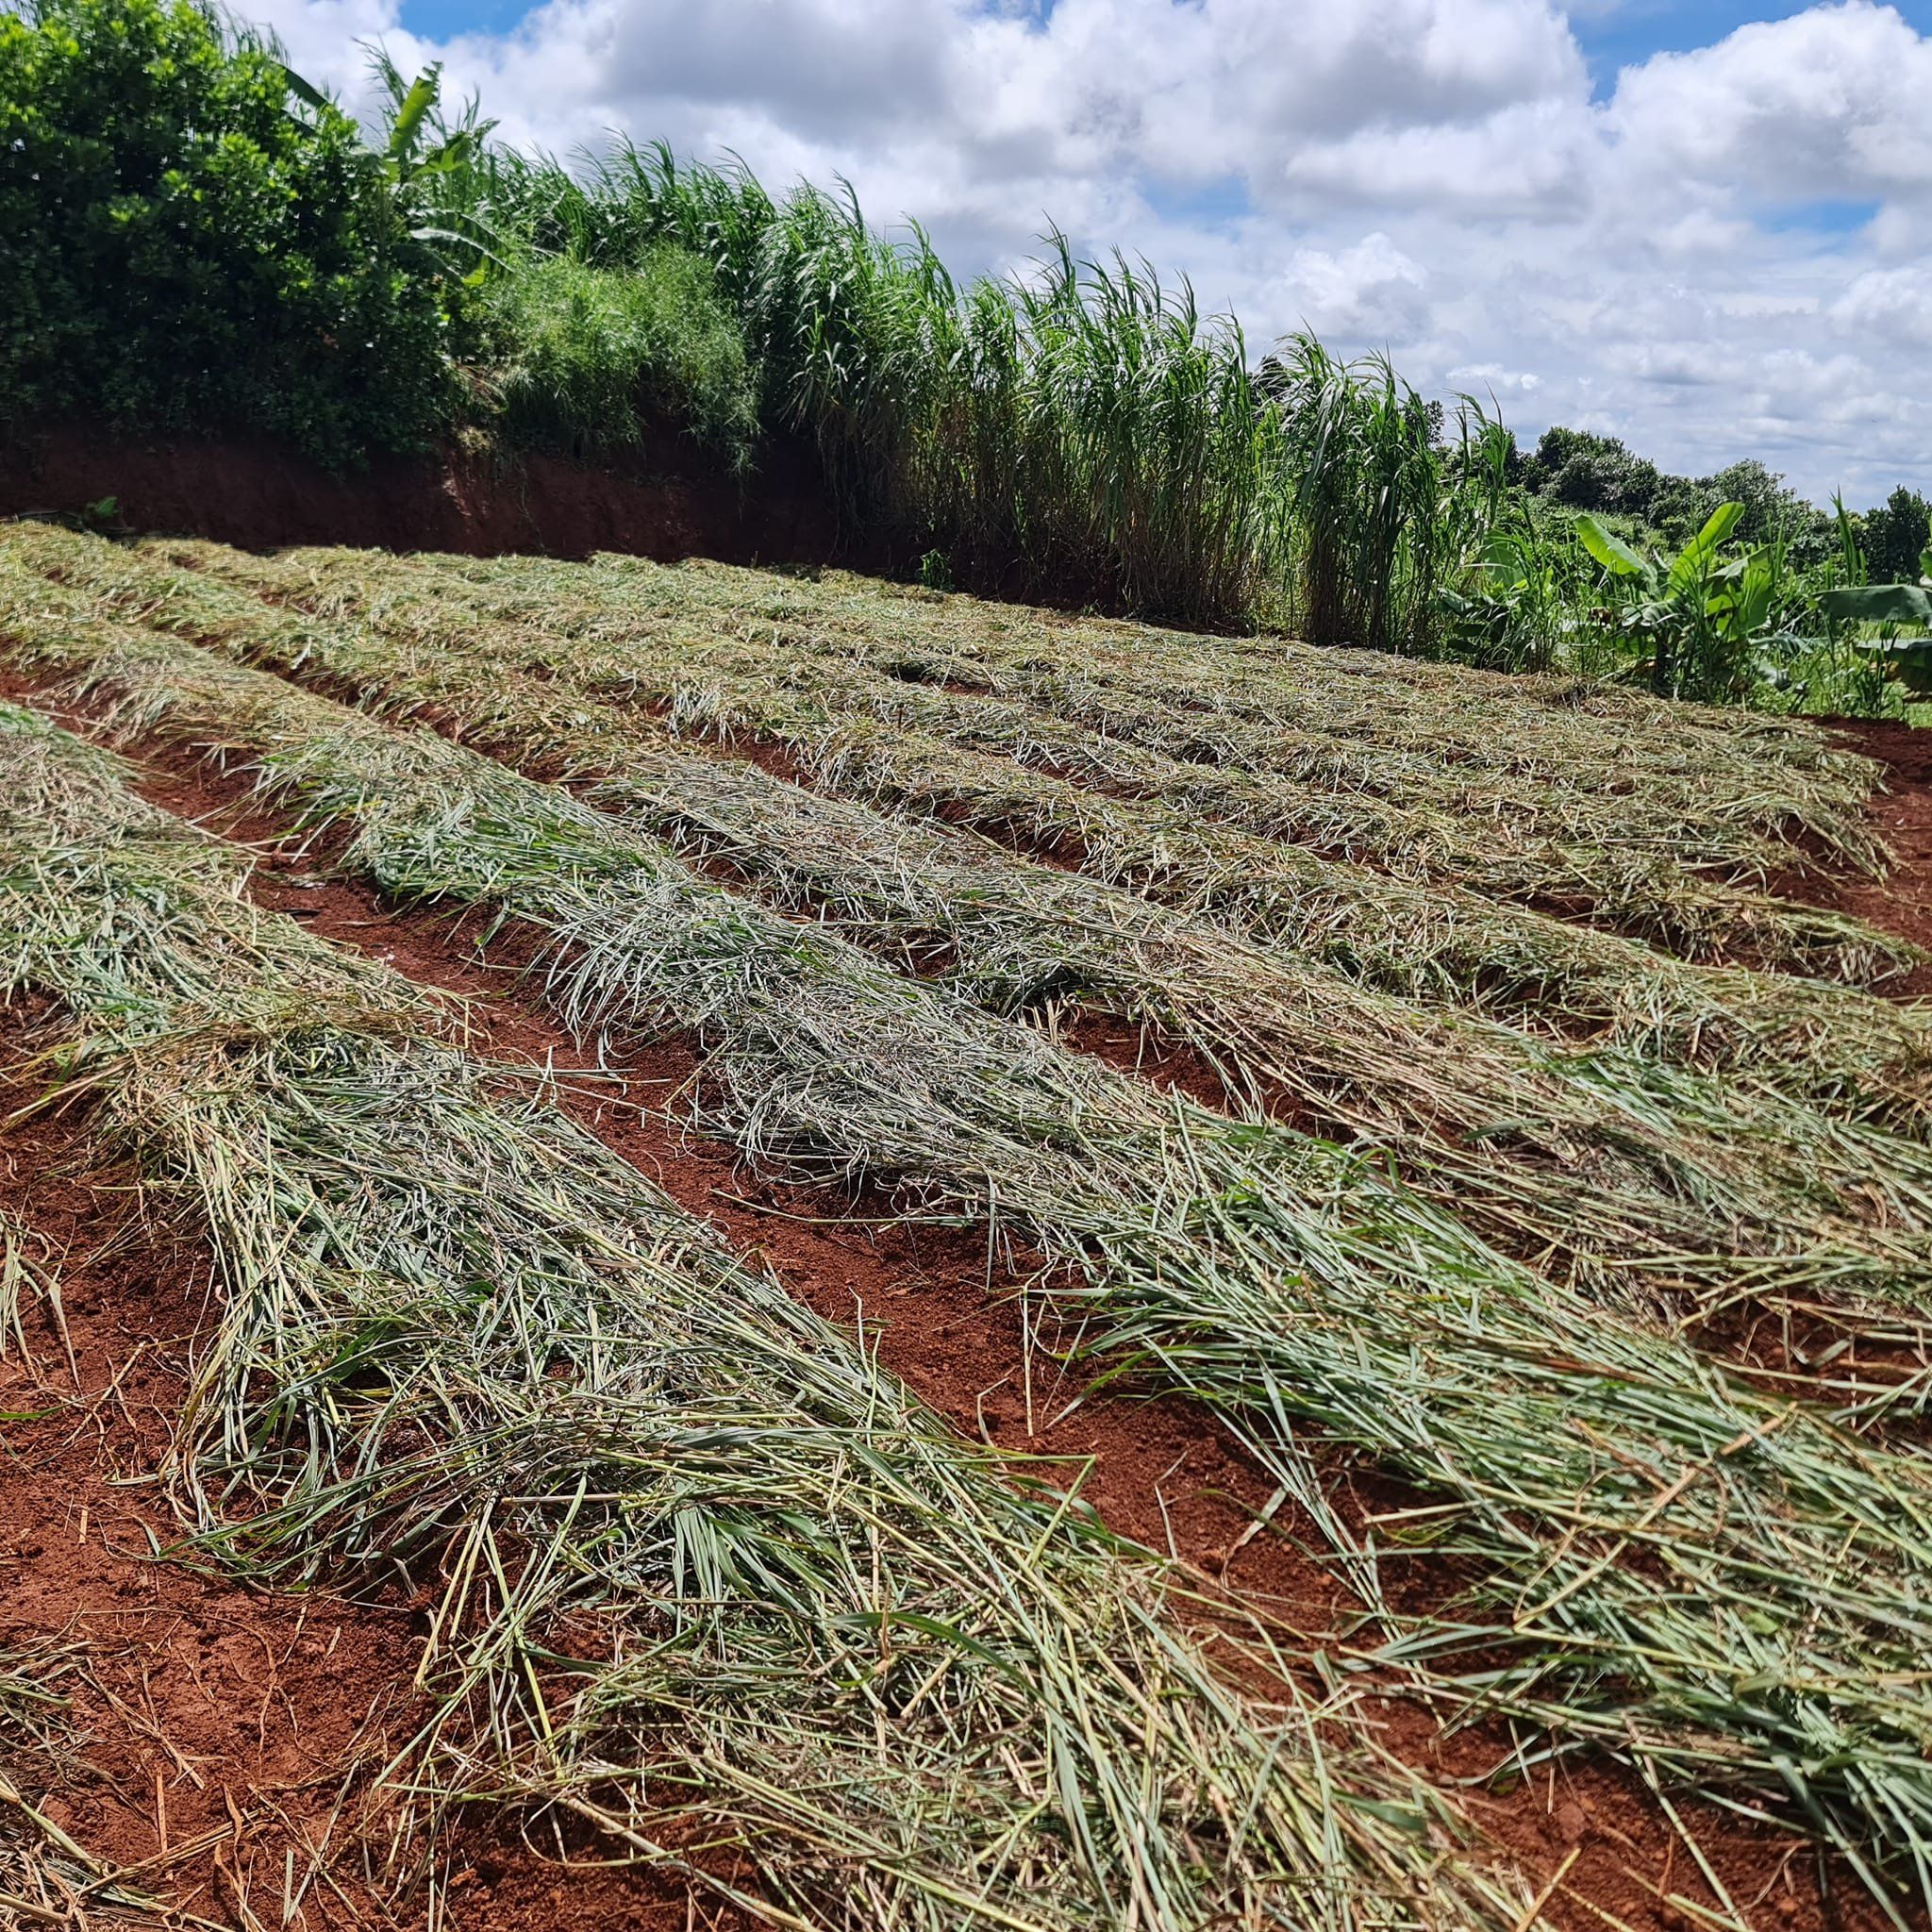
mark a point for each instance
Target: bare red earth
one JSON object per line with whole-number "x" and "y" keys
{"x": 1901, "y": 903}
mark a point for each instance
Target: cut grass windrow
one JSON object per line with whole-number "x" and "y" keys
{"x": 1730, "y": 769}
{"x": 1632, "y": 857}
{"x": 1726, "y": 1585}
{"x": 1859, "y": 1056}
{"x": 769, "y": 688}
{"x": 709, "y": 1577}
{"x": 1634, "y": 1178}
{"x": 1696, "y": 823}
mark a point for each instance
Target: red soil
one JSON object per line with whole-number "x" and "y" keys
{"x": 677, "y": 503}
{"x": 1901, "y": 903}
{"x": 949, "y": 1322}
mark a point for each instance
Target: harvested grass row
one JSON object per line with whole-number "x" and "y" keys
{"x": 1780, "y": 776}
{"x": 765, "y": 689}
{"x": 1732, "y": 836}
{"x": 1850, "y": 1055}
{"x": 1686, "y": 822}
{"x": 1628, "y": 1177}
{"x": 1725, "y": 1585}
{"x": 707, "y": 1577}
{"x": 1674, "y": 782}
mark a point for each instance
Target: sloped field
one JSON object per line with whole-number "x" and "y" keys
{"x": 1419, "y": 1136}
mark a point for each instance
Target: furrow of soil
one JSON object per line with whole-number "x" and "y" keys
{"x": 1902, "y": 901}
{"x": 949, "y": 1320}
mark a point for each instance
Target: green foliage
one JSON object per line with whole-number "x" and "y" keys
{"x": 590, "y": 357}
{"x": 1893, "y": 536}
{"x": 1692, "y": 620}
{"x": 1582, "y": 471}
{"x": 208, "y": 242}
{"x": 430, "y": 165}
{"x": 1366, "y": 487}
{"x": 1587, "y": 472}
{"x": 185, "y": 252}
{"x": 1081, "y": 431}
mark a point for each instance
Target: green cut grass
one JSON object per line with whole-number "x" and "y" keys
{"x": 1633, "y": 1178}
{"x": 1596, "y": 1165}
{"x": 1781, "y": 777}
{"x": 1863, "y": 1058}
{"x": 704, "y": 1575}
{"x": 1601, "y": 873}
{"x": 1574, "y": 1454}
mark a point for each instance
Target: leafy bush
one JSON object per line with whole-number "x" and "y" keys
{"x": 185, "y": 251}
{"x": 590, "y": 356}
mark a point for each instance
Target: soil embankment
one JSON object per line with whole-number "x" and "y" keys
{"x": 679, "y": 501}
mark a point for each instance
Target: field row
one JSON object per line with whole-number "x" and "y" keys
{"x": 1526, "y": 1272}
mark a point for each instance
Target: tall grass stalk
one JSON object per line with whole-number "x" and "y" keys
{"x": 1078, "y": 428}
{"x": 1366, "y": 494}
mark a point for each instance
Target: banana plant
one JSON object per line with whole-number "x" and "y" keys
{"x": 1896, "y": 610}
{"x": 1697, "y": 616}
{"x": 431, "y": 166}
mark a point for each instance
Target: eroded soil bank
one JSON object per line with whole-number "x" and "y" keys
{"x": 677, "y": 502}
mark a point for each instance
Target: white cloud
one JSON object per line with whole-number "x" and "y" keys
{"x": 1828, "y": 104}
{"x": 1887, "y": 308}
{"x": 1371, "y": 291}
{"x": 1674, "y": 262}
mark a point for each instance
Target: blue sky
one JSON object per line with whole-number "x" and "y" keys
{"x": 1705, "y": 228}
{"x": 1616, "y": 36}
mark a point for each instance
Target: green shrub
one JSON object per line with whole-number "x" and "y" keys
{"x": 185, "y": 251}
{"x": 590, "y": 357}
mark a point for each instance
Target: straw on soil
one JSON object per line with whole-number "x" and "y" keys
{"x": 1595, "y": 1164}
{"x": 1731, "y": 767}
{"x": 975, "y": 759}
{"x": 704, "y": 1575}
{"x": 1865, "y": 1058}
{"x": 48, "y": 1876}
{"x": 1594, "y": 859}
{"x": 1725, "y": 1585}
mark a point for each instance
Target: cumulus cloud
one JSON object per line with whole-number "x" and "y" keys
{"x": 1887, "y": 308}
{"x": 1369, "y": 290}
{"x": 1714, "y": 253}
{"x": 1829, "y": 103}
